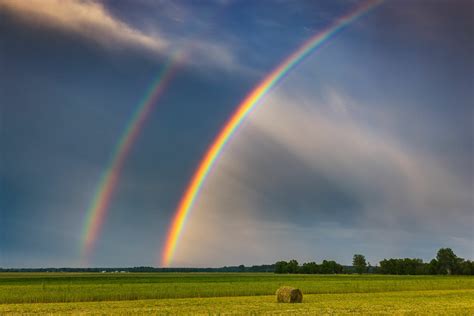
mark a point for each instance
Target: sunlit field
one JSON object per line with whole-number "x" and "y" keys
{"x": 222, "y": 293}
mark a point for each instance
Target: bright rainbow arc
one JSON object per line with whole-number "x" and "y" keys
{"x": 98, "y": 208}
{"x": 244, "y": 108}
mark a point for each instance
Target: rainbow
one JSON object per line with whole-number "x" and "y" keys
{"x": 98, "y": 207}
{"x": 243, "y": 109}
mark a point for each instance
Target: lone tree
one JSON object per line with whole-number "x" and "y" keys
{"x": 359, "y": 263}
{"x": 447, "y": 261}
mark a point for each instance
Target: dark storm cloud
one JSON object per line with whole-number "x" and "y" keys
{"x": 423, "y": 20}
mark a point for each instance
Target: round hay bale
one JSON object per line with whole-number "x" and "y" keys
{"x": 288, "y": 294}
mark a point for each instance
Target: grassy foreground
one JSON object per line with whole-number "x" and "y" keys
{"x": 453, "y": 302}
{"x": 232, "y": 293}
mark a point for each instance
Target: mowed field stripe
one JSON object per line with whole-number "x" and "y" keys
{"x": 459, "y": 302}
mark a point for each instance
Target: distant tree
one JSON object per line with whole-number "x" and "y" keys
{"x": 386, "y": 266}
{"x": 376, "y": 270}
{"x": 281, "y": 267}
{"x": 330, "y": 267}
{"x": 467, "y": 267}
{"x": 359, "y": 263}
{"x": 422, "y": 267}
{"x": 337, "y": 268}
{"x": 403, "y": 266}
{"x": 447, "y": 261}
{"x": 241, "y": 268}
{"x": 325, "y": 267}
{"x": 293, "y": 266}
{"x": 433, "y": 267}
{"x": 412, "y": 266}
{"x": 309, "y": 268}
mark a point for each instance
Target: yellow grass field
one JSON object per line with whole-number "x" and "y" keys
{"x": 234, "y": 294}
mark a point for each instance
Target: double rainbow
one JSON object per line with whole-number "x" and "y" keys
{"x": 243, "y": 109}
{"x": 103, "y": 194}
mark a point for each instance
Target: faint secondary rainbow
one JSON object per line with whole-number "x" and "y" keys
{"x": 243, "y": 109}
{"x": 98, "y": 207}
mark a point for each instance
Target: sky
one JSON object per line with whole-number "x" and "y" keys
{"x": 365, "y": 146}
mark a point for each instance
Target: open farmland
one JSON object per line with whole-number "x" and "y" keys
{"x": 205, "y": 293}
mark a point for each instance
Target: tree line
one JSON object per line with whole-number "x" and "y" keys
{"x": 326, "y": 267}
{"x": 446, "y": 262}
{"x": 240, "y": 268}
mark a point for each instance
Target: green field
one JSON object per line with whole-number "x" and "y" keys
{"x": 232, "y": 293}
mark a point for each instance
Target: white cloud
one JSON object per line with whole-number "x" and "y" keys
{"x": 91, "y": 20}
{"x": 86, "y": 18}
